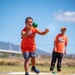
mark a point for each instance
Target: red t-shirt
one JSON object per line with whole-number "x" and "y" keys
{"x": 28, "y": 43}
{"x": 61, "y": 41}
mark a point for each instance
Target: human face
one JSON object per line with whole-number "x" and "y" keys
{"x": 29, "y": 22}
{"x": 63, "y": 31}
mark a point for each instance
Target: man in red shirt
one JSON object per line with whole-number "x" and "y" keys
{"x": 60, "y": 43}
{"x": 28, "y": 45}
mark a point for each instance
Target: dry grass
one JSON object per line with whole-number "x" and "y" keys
{"x": 39, "y": 61}
{"x": 11, "y": 61}
{"x": 15, "y": 64}
{"x": 43, "y": 64}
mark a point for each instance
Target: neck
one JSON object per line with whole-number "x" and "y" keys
{"x": 62, "y": 33}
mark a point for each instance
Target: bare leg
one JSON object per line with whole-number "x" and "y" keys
{"x": 33, "y": 65}
{"x": 33, "y": 61}
{"x": 26, "y": 65}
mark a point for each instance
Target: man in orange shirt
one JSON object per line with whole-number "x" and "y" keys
{"x": 28, "y": 45}
{"x": 60, "y": 43}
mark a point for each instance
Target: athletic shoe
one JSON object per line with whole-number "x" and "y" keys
{"x": 59, "y": 70}
{"x": 35, "y": 70}
{"x": 53, "y": 72}
{"x": 26, "y": 73}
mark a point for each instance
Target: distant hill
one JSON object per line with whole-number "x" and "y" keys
{"x": 11, "y": 46}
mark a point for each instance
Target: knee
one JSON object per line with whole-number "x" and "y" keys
{"x": 53, "y": 63}
{"x": 26, "y": 61}
{"x": 33, "y": 58}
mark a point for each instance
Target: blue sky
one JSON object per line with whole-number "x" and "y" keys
{"x": 52, "y": 14}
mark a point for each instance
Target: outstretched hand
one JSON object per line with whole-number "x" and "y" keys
{"x": 47, "y": 30}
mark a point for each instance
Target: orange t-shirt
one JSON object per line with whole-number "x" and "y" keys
{"x": 28, "y": 43}
{"x": 61, "y": 42}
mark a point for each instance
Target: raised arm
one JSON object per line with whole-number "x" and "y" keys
{"x": 42, "y": 32}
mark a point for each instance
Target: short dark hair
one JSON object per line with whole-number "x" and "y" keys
{"x": 28, "y": 18}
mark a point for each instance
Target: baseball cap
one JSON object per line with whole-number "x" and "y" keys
{"x": 63, "y": 28}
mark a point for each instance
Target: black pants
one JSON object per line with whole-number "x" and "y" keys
{"x": 58, "y": 57}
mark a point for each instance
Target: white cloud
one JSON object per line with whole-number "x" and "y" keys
{"x": 68, "y": 16}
